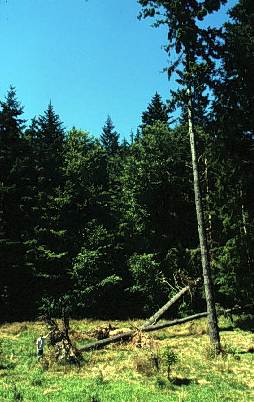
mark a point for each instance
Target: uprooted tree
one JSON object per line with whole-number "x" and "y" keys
{"x": 64, "y": 349}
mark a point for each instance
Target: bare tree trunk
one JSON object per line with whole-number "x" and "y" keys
{"x": 211, "y": 311}
{"x": 209, "y": 215}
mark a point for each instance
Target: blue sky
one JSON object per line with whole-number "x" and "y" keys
{"x": 90, "y": 58}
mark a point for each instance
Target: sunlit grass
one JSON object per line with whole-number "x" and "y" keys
{"x": 124, "y": 372}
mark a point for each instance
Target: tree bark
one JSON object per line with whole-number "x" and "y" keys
{"x": 211, "y": 310}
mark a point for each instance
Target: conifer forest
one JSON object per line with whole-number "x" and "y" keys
{"x": 114, "y": 226}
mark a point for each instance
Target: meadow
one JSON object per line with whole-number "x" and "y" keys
{"x": 174, "y": 364}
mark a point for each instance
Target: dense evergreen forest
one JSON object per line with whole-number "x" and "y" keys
{"x": 111, "y": 226}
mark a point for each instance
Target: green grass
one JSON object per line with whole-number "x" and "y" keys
{"x": 123, "y": 372}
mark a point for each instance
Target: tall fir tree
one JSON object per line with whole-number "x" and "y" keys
{"x": 90, "y": 223}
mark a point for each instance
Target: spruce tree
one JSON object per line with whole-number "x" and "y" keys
{"x": 109, "y": 137}
{"x": 46, "y": 250}
{"x": 50, "y": 140}
{"x": 156, "y": 111}
{"x": 12, "y": 200}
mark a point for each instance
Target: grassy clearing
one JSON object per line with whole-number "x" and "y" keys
{"x": 124, "y": 372}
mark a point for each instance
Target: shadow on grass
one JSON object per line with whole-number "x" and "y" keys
{"x": 245, "y": 323}
{"x": 181, "y": 381}
{"x": 227, "y": 328}
{"x": 169, "y": 336}
{"x": 7, "y": 366}
{"x": 246, "y": 352}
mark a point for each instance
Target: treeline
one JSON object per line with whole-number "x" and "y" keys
{"x": 112, "y": 226}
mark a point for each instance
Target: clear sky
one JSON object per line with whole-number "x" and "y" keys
{"x": 90, "y": 58}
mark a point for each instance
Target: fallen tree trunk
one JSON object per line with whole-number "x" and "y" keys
{"x": 104, "y": 342}
{"x": 178, "y": 321}
{"x": 127, "y": 335}
{"x": 155, "y": 317}
{"x": 148, "y": 324}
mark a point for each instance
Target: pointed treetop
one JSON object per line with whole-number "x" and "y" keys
{"x": 109, "y": 137}
{"x": 10, "y": 111}
{"x": 156, "y": 111}
{"x": 50, "y": 127}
